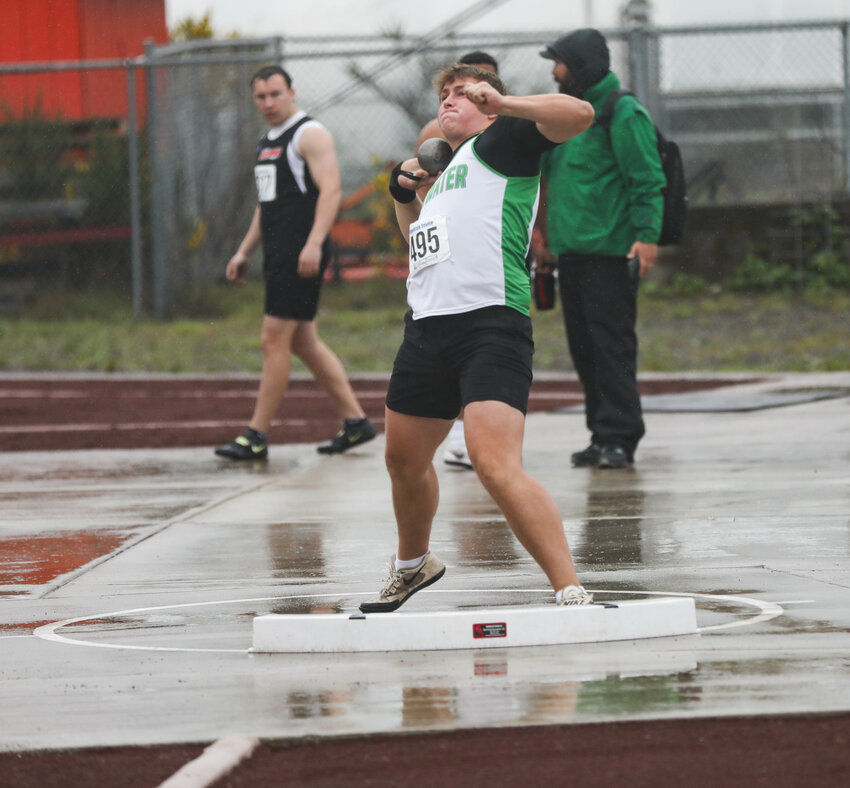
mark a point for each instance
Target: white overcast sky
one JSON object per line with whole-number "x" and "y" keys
{"x": 260, "y": 18}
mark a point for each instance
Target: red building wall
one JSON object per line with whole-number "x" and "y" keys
{"x": 70, "y": 30}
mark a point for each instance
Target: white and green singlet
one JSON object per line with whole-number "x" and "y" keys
{"x": 469, "y": 246}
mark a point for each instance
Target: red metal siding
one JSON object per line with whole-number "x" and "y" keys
{"x": 115, "y": 29}
{"x": 42, "y": 30}
{"x": 118, "y": 28}
{"x": 47, "y": 30}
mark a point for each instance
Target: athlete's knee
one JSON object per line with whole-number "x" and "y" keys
{"x": 404, "y": 465}
{"x": 493, "y": 471}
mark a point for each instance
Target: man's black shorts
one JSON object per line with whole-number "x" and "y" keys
{"x": 446, "y": 362}
{"x": 288, "y": 295}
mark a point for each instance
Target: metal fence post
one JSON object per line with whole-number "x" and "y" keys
{"x": 845, "y": 40}
{"x": 157, "y": 230}
{"x": 135, "y": 195}
{"x": 638, "y": 63}
{"x": 657, "y": 108}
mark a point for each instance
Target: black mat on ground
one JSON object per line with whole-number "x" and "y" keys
{"x": 728, "y": 400}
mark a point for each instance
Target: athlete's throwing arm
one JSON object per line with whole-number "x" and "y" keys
{"x": 558, "y": 118}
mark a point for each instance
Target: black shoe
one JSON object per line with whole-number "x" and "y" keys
{"x": 586, "y": 458}
{"x": 251, "y": 445}
{"x": 353, "y": 433}
{"x": 613, "y": 457}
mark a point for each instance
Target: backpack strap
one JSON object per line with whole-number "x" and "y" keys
{"x": 608, "y": 106}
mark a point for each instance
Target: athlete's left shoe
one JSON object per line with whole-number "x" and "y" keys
{"x": 353, "y": 433}
{"x": 574, "y": 596}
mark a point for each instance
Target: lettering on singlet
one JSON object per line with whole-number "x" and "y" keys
{"x": 453, "y": 178}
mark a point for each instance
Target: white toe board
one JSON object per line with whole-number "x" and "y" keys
{"x": 474, "y": 628}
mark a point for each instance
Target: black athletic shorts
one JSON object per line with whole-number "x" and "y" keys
{"x": 446, "y": 362}
{"x": 288, "y": 295}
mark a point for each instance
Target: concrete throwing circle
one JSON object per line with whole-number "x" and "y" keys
{"x": 766, "y": 612}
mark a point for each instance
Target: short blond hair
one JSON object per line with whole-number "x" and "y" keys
{"x": 462, "y": 71}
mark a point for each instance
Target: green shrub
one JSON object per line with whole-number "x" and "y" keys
{"x": 831, "y": 268}
{"x": 757, "y": 275}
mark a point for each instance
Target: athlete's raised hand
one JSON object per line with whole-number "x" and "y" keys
{"x": 488, "y": 100}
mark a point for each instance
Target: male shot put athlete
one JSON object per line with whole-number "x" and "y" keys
{"x": 455, "y": 453}
{"x": 467, "y": 340}
{"x": 299, "y": 192}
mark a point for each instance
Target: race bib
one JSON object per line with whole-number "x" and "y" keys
{"x": 429, "y": 243}
{"x": 266, "y": 177}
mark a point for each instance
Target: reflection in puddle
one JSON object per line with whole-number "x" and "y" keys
{"x": 302, "y": 705}
{"x": 485, "y": 544}
{"x": 296, "y": 550}
{"x": 474, "y": 688}
{"x": 612, "y": 531}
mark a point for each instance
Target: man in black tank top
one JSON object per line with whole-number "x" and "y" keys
{"x": 299, "y": 192}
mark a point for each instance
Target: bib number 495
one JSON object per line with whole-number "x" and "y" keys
{"x": 426, "y": 241}
{"x": 429, "y": 243}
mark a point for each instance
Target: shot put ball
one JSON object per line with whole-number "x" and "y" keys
{"x": 434, "y": 155}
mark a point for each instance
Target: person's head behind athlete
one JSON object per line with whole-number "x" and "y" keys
{"x": 482, "y": 60}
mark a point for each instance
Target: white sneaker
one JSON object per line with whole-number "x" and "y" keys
{"x": 574, "y": 596}
{"x": 457, "y": 456}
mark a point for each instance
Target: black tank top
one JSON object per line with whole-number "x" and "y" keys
{"x": 287, "y": 199}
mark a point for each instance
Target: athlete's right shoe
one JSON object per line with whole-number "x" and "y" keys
{"x": 404, "y": 583}
{"x": 251, "y": 445}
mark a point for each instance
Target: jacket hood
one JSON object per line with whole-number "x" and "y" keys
{"x": 585, "y": 54}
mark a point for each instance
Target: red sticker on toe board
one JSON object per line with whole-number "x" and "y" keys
{"x": 489, "y": 630}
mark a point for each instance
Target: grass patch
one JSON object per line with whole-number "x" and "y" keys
{"x": 362, "y": 322}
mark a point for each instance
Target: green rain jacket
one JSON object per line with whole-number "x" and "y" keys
{"x": 604, "y": 190}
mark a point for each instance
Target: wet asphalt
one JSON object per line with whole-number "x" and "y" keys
{"x": 130, "y": 581}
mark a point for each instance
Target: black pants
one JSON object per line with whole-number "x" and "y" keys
{"x": 599, "y": 299}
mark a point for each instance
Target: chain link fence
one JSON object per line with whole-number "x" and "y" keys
{"x": 761, "y": 113}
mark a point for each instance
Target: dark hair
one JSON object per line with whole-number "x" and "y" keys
{"x": 476, "y": 57}
{"x": 461, "y": 71}
{"x": 269, "y": 71}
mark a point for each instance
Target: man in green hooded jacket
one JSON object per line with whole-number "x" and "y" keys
{"x": 603, "y": 208}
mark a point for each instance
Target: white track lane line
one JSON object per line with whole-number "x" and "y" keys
{"x": 217, "y": 760}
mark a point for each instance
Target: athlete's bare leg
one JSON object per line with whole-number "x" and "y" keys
{"x": 494, "y": 433}
{"x": 411, "y": 443}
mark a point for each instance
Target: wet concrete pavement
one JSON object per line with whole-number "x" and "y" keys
{"x": 130, "y": 580}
